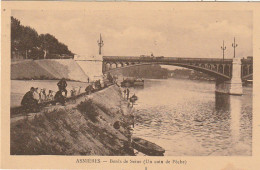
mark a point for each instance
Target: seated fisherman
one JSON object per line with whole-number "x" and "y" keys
{"x": 29, "y": 103}
{"x": 42, "y": 95}
{"x": 50, "y": 96}
{"x": 89, "y": 89}
{"x": 59, "y": 97}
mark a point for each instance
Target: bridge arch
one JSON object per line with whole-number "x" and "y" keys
{"x": 210, "y": 71}
{"x": 120, "y": 64}
{"x": 107, "y": 66}
{"x": 113, "y": 65}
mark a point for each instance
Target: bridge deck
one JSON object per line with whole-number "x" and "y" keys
{"x": 216, "y": 67}
{"x": 172, "y": 59}
{"x": 164, "y": 59}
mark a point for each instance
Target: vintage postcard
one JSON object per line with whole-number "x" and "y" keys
{"x": 130, "y": 85}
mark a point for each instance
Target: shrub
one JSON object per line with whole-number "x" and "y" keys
{"x": 88, "y": 109}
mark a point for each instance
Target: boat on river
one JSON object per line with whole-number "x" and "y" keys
{"x": 147, "y": 147}
{"x": 132, "y": 82}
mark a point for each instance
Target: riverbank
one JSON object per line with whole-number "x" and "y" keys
{"x": 96, "y": 124}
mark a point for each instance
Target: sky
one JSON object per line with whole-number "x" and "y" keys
{"x": 166, "y": 33}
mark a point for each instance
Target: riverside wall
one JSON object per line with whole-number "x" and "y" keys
{"x": 47, "y": 69}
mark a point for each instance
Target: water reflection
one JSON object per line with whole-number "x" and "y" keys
{"x": 229, "y": 107}
{"x": 189, "y": 118}
{"x": 222, "y": 101}
{"x": 235, "y": 113}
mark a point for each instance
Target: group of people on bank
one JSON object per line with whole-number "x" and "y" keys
{"x": 33, "y": 98}
{"x": 132, "y": 99}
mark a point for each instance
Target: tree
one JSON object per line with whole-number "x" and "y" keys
{"x": 25, "y": 41}
{"x": 50, "y": 45}
{"x": 16, "y": 32}
{"x": 29, "y": 40}
{"x": 44, "y": 45}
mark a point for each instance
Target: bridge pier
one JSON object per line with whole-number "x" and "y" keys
{"x": 92, "y": 66}
{"x": 236, "y": 81}
{"x": 233, "y": 86}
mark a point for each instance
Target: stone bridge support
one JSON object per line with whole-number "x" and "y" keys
{"x": 233, "y": 86}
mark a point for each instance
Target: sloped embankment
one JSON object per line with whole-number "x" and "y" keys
{"x": 47, "y": 70}
{"x": 85, "y": 127}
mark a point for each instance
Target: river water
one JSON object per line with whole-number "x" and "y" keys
{"x": 187, "y": 118}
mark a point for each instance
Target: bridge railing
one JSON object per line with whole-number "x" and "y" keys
{"x": 164, "y": 59}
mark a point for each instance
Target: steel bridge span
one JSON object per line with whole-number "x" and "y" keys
{"x": 228, "y": 72}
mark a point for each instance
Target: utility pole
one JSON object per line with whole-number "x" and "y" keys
{"x": 223, "y": 48}
{"x": 100, "y": 44}
{"x": 234, "y": 45}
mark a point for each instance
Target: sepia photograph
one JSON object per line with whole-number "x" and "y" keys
{"x": 131, "y": 82}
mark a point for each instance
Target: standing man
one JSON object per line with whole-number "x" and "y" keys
{"x": 124, "y": 93}
{"x": 127, "y": 93}
{"x": 62, "y": 84}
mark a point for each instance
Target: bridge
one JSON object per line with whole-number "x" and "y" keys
{"x": 229, "y": 73}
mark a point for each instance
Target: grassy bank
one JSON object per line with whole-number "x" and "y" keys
{"x": 88, "y": 126}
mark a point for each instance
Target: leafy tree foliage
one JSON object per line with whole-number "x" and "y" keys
{"x": 27, "y": 44}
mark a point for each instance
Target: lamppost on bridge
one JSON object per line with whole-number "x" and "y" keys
{"x": 100, "y": 44}
{"x": 234, "y": 45}
{"x": 223, "y": 48}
